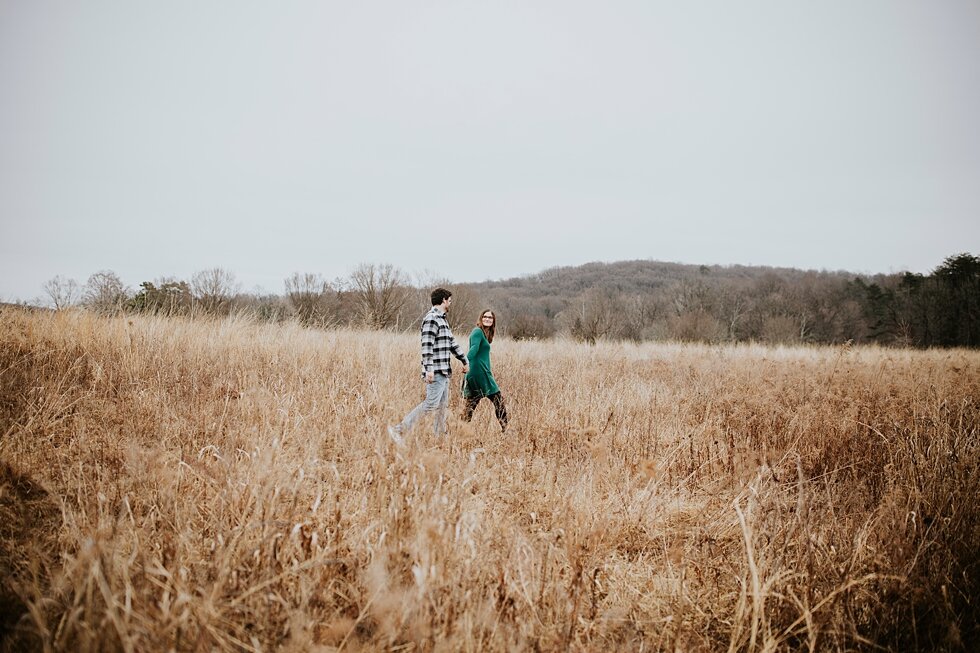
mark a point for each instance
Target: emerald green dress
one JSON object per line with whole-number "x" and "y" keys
{"x": 479, "y": 380}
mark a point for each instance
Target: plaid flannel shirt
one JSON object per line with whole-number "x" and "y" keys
{"x": 438, "y": 343}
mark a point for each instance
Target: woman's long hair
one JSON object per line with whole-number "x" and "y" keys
{"x": 493, "y": 328}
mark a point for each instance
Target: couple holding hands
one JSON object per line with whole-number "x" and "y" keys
{"x": 438, "y": 348}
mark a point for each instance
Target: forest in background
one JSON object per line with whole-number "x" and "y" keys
{"x": 629, "y": 300}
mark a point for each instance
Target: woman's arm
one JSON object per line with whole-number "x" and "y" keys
{"x": 476, "y": 335}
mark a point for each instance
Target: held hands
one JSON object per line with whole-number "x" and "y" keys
{"x": 466, "y": 368}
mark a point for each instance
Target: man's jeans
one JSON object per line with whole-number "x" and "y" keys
{"x": 436, "y": 399}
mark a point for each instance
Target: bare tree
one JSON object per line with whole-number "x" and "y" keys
{"x": 735, "y": 307}
{"x": 381, "y": 291}
{"x": 696, "y": 325}
{"x": 592, "y": 315}
{"x": 781, "y": 329}
{"x": 213, "y": 290}
{"x": 692, "y": 296}
{"x": 528, "y": 326}
{"x": 105, "y": 292}
{"x": 308, "y": 295}
{"x": 62, "y": 291}
{"x": 637, "y": 314}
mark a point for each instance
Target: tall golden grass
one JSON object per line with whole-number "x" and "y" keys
{"x": 175, "y": 485}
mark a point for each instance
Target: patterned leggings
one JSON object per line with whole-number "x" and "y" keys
{"x": 498, "y": 406}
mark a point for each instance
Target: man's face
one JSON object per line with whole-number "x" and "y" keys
{"x": 446, "y": 302}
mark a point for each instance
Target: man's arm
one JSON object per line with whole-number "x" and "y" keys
{"x": 429, "y": 332}
{"x": 458, "y": 352}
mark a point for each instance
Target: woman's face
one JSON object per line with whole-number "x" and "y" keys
{"x": 487, "y": 319}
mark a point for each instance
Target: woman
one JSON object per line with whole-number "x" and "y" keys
{"x": 479, "y": 382}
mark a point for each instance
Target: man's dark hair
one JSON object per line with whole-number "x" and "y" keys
{"x": 439, "y": 295}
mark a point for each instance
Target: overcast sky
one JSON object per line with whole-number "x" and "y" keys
{"x": 483, "y": 140}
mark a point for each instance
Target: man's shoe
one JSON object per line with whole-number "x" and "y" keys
{"x": 395, "y": 436}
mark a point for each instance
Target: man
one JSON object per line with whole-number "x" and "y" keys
{"x": 437, "y": 344}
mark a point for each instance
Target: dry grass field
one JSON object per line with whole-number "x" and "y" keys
{"x": 170, "y": 485}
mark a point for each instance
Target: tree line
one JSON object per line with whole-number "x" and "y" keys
{"x": 631, "y": 300}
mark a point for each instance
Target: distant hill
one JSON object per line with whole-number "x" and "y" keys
{"x": 640, "y": 276}
{"x": 641, "y": 300}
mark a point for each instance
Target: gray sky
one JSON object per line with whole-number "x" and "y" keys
{"x": 482, "y": 140}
